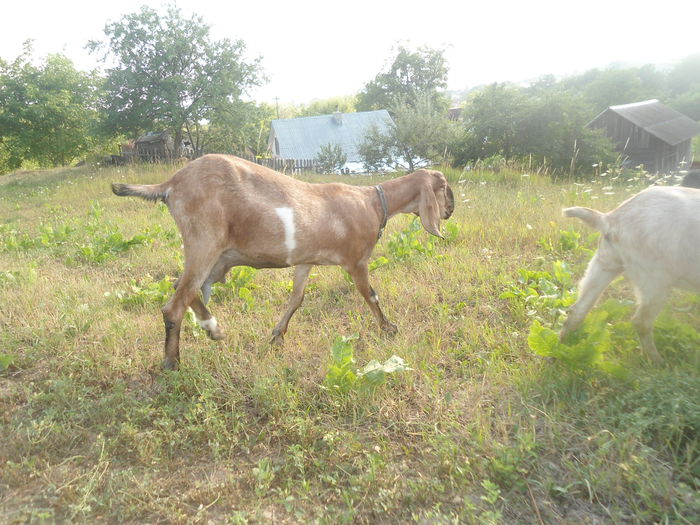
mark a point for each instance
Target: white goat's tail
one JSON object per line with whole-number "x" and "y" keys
{"x": 151, "y": 192}
{"x": 593, "y": 218}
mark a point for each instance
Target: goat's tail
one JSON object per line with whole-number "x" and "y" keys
{"x": 150, "y": 192}
{"x": 593, "y": 218}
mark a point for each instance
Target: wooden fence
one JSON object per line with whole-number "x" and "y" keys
{"x": 290, "y": 166}
{"x": 286, "y": 165}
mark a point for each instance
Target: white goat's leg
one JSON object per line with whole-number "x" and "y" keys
{"x": 650, "y": 300}
{"x": 595, "y": 280}
{"x": 301, "y": 277}
{"x": 360, "y": 276}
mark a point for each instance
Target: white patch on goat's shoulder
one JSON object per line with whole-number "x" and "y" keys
{"x": 208, "y": 325}
{"x": 286, "y": 215}
{"x": 338, "y": 228}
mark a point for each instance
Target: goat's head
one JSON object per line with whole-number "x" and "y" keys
{"x": 436, "y": 200}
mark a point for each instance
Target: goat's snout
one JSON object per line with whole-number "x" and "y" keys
{"x": 449, "y": 203}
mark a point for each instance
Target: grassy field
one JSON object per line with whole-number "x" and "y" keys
{"x": 480, "y": 429}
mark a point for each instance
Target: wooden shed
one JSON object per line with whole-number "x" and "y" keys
{"x": 649, "y": 134}
{"x": 155, "y": 146}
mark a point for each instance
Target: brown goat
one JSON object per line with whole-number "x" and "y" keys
{"x": 231, "y": 212}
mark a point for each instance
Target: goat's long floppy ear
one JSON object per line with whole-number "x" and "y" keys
{"x": 429, "y": 210}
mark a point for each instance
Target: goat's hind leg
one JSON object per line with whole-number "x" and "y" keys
{"x": 197, "y": 268}
{"x": 173, "y": 312}
{"x": 650, "y": 300}
{"x": 598, "y": 276}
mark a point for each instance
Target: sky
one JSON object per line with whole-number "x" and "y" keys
{"x": 313, "y": 49}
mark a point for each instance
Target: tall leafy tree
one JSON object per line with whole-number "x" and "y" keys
{"x": 328, "y": 106}
{"x": 418, "y": 136}
{"x": 241, "y": 128}
{"x": 617, "y": 86}
{"x": 685, "y": 76}
{"x": 47, "y": 111}
{"x": 494, "y": 117}
{"x": 169, "y": 73}
{"x": 410, "y": 75}
{"x": 555, "y": 134}
{"x": 543, "y": 124}
{"x": 684, "y": 86}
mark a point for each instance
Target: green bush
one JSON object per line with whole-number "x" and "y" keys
{"x": 331, "y": 158}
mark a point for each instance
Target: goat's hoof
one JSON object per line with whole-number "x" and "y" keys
{"x": 277, "y": 339}
{"x": 653, "y": 356}
{"x": 563, "y": 334}
{"x": 216, "y": 335}
{"x": 170, "y": 364}
{"x": 389, "y": 328}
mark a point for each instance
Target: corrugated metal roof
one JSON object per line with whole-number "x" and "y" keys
{"x": 302, "y": 138}
{"x": 153, "y": 136}
{"x": 661, "y": 121}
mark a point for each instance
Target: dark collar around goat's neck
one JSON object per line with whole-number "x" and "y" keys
{"x": 385, "y": 210}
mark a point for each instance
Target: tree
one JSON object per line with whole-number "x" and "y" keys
{"x": 493, "y": 119}
{"x": 556, "y": 135}
{"x": 169, "y": 73}
{"x": 376, "y": 150}
{"x": 328, "y": 106}
{"x": 418, "y": 136}
{"x": 685, "y": 76}
{"x": 684, "y": 85}
{"x": 616, "y": 86}
{"x": 411, "y": 74}
{"x": 47, "y": 112}
{"x": 542, "y": 124}
{"x": 233, "y": 128}
{"x": 331, "y": 158}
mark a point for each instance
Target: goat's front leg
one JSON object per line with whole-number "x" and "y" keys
{"x": 596, "y": 279}
{"x": 360, "y": 276}
{"x": 301, "y": 277}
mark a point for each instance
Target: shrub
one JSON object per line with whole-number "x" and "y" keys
{"x": 331, "y": 158}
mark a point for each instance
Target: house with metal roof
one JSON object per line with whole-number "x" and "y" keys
{"x": 302, "y": 138}
{"x": 649, "y": 134}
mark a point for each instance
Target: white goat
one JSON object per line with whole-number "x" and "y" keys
{"x": 654, "y": 239}
{"x": 231, "y": 212}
